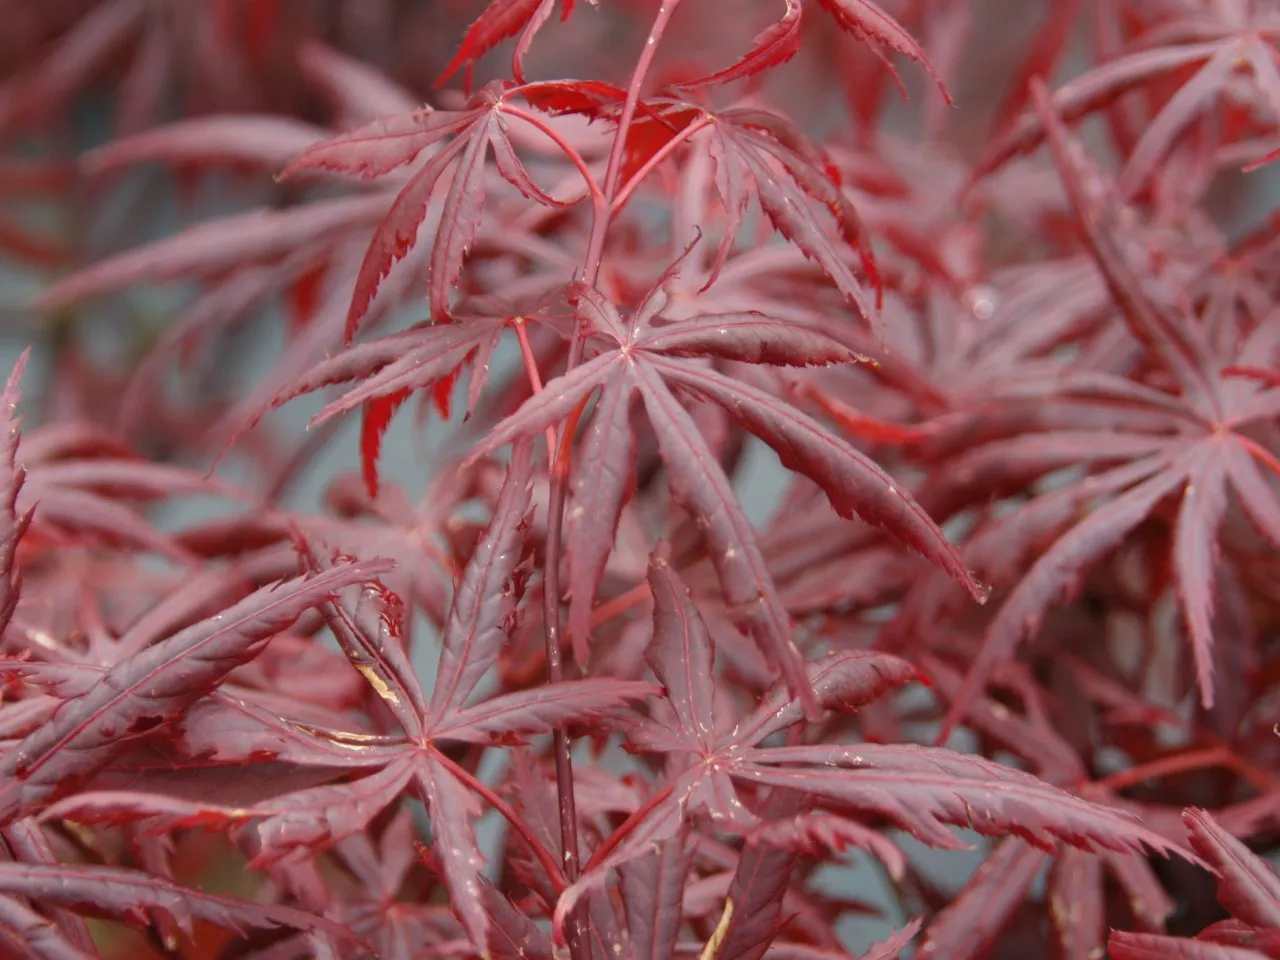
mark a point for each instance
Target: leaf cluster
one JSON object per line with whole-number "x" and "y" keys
{"x": 563, "y": 689}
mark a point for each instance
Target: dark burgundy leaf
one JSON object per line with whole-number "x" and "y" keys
{"x": 451, "y": 809}
{"x": 132, "y": 895}
{"x": 155, "y": 686}
{"x": 653, "y": 891}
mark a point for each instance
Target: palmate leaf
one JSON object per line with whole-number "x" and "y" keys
{"x": 154, "y": 687}
{"x": 653, "y": 358}
{"x": 482, "y": 616}
{"x": 1204, "y": 448}
{"x": 923, "y": 790}
{"x": 385, "y": 863}
{"x": 791, "y": 178}
{"x": 379, "y": 148}
{"x": 389, "y": 368}
{"x": 1089, "y": 93}
{"x": 376, "y": 771}
{"x": 795, "y": 183}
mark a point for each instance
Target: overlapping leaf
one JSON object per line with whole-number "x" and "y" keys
{"x": 126, "y": 895}
{"x": 650, "y": 361}
{"x": 792, "y": 181}
{"x": 920, "y": 789}
{"x": 482, "y": 616}
{"x": 154, "y": 687}
{"x": 1194, "y": 444}
{"x": 377, "y": 149}
{"x": 1216, "y": 61}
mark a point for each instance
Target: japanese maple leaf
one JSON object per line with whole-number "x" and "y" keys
{"x": 383, "y": 767}
{"x": 871, "y": 24}
{"x": 1004, "y": 881}
{"x": 794, "y": 182}
{"x": 240, "y": 262}
{"x": 600, "y": 795}
{"x": 1192, "y": 443}
{"x": 920, "y": 789}
{"x": 310, "y": 252}
{"x": 654, "y": 362}
{"x": 152, "y": 687}
{"x": 459, "y": 139}
{"x": 219, "y": 250}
